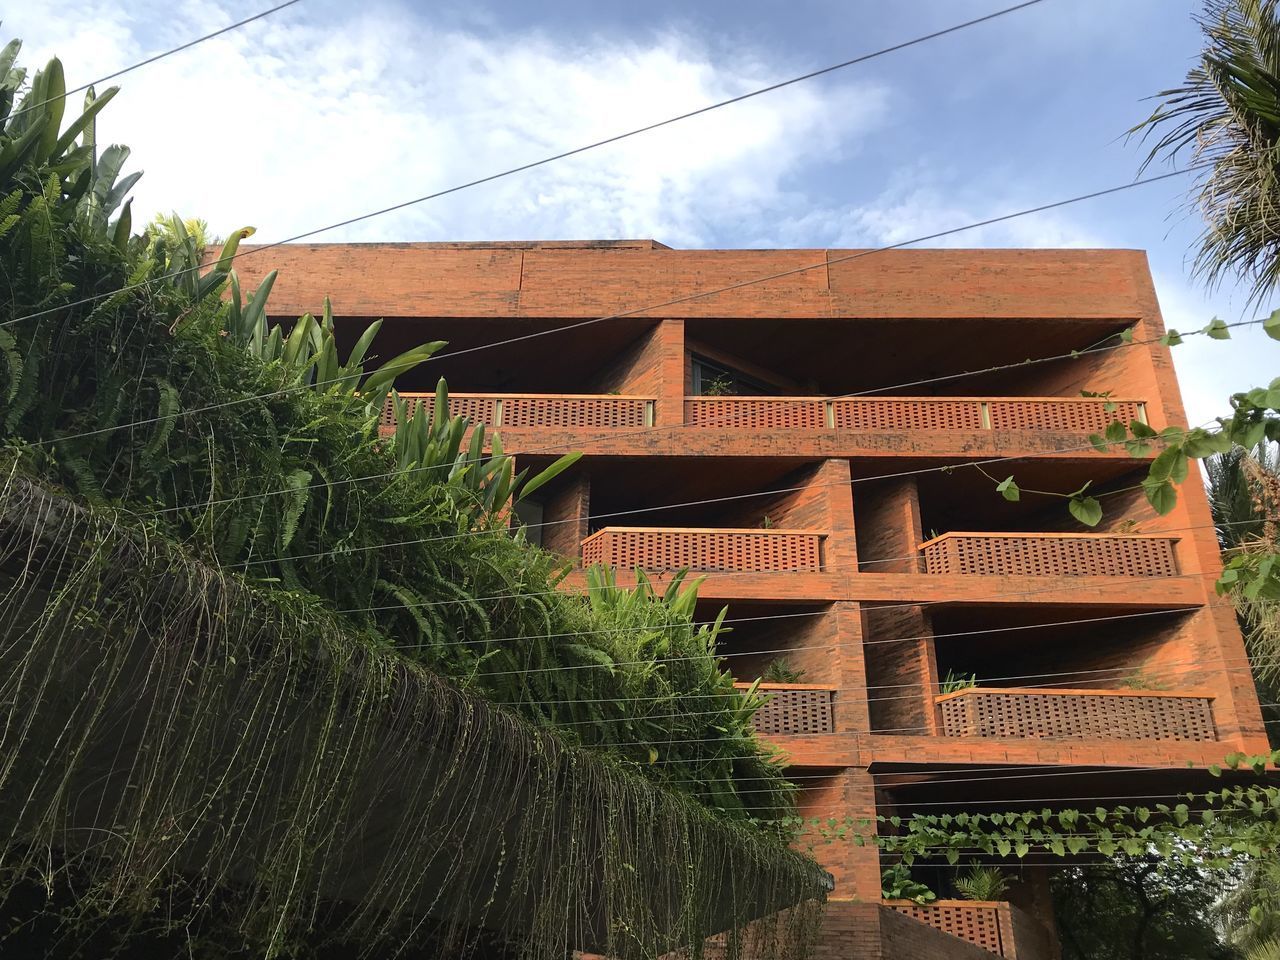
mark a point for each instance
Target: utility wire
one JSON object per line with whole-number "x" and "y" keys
{"x": 284, "y": 391}
{"x": 718, "y": 574}
{"x": 152, "y": 59}
{"x": 558, "y": 156}
{"x": 943, "y": 468}
{"x": 727, "y": 420}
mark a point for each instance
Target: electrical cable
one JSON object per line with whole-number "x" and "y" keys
{"x": 186, "y": 412}
{"x": 152, "y": 59}
{"x": 554, "y": 157}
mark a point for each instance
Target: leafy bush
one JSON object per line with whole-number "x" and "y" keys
{"x": 136, "y": 377}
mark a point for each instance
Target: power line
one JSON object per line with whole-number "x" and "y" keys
{"x": 944, "y": 468}
{"x": 723, "y": 421}
{"x": 285, "y": 391}
{"x": 559, "y": 156}
{"x": 152, "y": 59}
{"x": 718, "y": 574}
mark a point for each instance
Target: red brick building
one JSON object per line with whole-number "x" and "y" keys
{"x": 784, "y": 437}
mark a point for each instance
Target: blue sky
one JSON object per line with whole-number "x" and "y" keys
{"x": 328, "y": 109}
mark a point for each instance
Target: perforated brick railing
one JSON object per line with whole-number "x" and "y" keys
{"x": 1069, "y": 416}
{"x": 1021, "y": 713}
{"x": 794, "y": 708}
{"x": 756, "y": 413}
{"x": 517, "y": 410}
{"x": 877, "y": 414}
{"x": 673, "y": 548}
{"x": 975, "y": 921}
{"x": 1051, "y": 555}
{"x": 894, "y": 414}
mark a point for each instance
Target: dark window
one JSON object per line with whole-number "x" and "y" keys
{"x": 712, "y": 379}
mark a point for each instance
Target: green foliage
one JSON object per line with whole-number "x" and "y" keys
{"x": 896, "y": 883}
{"x": 1226, "y": 114}
{"x": 982, "y": 882}
{"x": 780, "y": 671}
{"x": 258, "y": 447}
{"x": 183, "y": 752}
{"x": 1143, "y": 908}
{"x": 955, "y": 682}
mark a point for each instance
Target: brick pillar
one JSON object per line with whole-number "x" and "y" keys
{"x": 902, "y": 671}
{"x": 888, "y": 526}
{"x": 856, "y": 869}
{"x": 671, "y": 381}
{"x": 565, "y": 514}
{"x": 832, "y": 490}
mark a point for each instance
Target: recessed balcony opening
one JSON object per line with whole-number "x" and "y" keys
{"x": 557, "y": 379}
{"x": 666, "y": 514}
{"x": 1083, "y": 675}
{"x": 965, "y": 499}
{"x": 907, "y": 357}
{"x": 776, "y": 642}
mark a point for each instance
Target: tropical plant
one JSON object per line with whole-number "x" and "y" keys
{"x": 896, "y": 883}
{"x": 137, "y": 373}
{"x": 955, "y": 682}
{"x": 780, "y": 671}
{"x": 984, "y": 883}
{"x": 1226, "y": 115}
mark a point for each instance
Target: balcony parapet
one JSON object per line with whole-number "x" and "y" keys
{"x": 911, "y": 414}
{"x": 1012, "y": 713}
{"x": 815, "y": 414}
{"x": 518, "y": 410}
{"x": 1051, "y": 554}
{"x": 996, "y": 926}
{"x": 794, "y": 709}
{"x": 705, "y": 549}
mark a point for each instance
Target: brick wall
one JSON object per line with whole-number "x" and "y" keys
{"x": 851, "y": 793}
{"x": 566, "y": 511}
{"x": 901, "y": 669}
{"x": 637, "y": 371}
{"x": 902, "y": 938}
{"x": 888, "y": 522}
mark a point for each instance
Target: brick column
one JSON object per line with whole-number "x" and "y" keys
{"x": 856, "y": 869}
{"x": 671, "y": 380}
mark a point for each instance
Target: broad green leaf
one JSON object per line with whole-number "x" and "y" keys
{"x": 1086, "y": 509}
{"x": 1008, "y": 489}
{"x": 549, "y": 474}
{"x": 1161, "y": 495}
{"x": 1217, "y": 330}
{"x": 1272, "y": 325}
{"x": 1171, "y": 339}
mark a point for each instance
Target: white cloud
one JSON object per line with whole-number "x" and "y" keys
{"x": 298, "y": 121}
{"x": 921, "y": 202}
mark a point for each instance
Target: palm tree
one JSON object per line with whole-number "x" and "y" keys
{"x": 1227, "y": 116}
{"x": 1244, "y": 494}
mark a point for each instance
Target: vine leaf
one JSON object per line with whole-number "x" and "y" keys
{"x": 1086, "y": 509}
{"x": 1217, "y": 330}
{"x": 1272, "y": 325}
{"x": 1008, "y": 489}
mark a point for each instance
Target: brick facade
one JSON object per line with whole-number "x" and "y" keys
{"x": 871, "y": 620}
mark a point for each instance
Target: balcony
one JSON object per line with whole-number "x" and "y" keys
{"x": 995, "y": 926}
{"x": 710, "y": 549}
{"x": 1051, "y": 555}
{"x": 794, "y": 709}
{"x": 518, "y": 410}
{"x": 1012, "y": 713}
{"x": 849, "y": 415}
{"x": 911, "y": 414}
